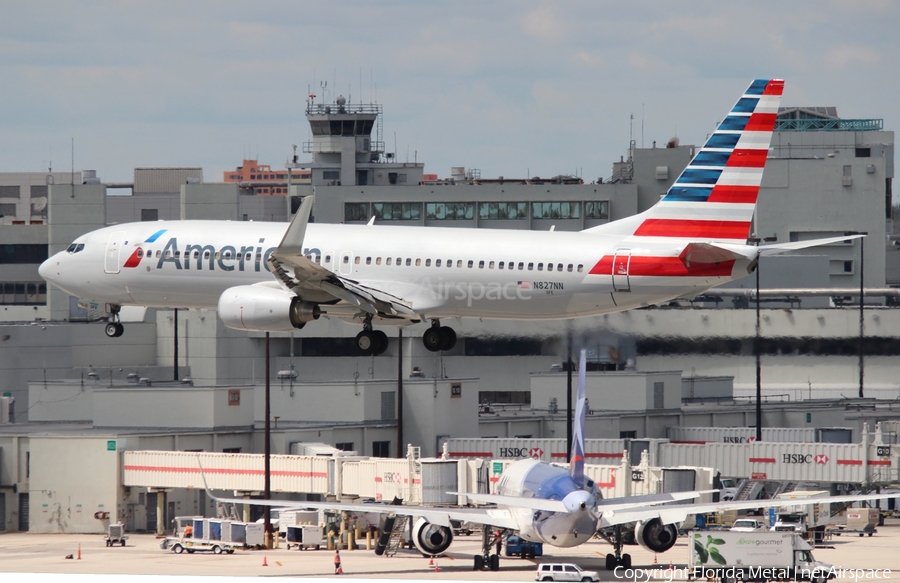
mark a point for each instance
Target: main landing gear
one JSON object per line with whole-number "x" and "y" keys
{"x": 438, "y": 338}
{"x": 114, "y": 328}
{"x": 371, "y": 342}
{"x": 616, "y": 540}
{"x": 488, "y": 560}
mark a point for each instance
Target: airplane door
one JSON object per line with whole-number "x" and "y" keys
{"x": 346, "y": 266}
{"x": 620, "y": 266}
{"x": 113, "y": 246}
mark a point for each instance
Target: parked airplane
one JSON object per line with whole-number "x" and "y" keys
{"x": 279, "y": 276}
{"x": 552, "y": 505}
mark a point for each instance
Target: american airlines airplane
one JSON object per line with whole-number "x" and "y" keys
{"x": 552, "y": 505}
{"x": 279, "y": 276}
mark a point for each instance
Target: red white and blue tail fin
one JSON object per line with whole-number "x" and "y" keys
{"x": 715, "y": 196}
{"x": 576, "y": 464}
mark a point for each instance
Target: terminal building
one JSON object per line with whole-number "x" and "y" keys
{"x": 828, "y": 356}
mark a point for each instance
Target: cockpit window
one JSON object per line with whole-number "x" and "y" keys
{"x": 75, "y": 248}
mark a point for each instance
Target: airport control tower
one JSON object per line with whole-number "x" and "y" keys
{"x": 344, "y": 152}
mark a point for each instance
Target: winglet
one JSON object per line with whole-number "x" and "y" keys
{"x": 292, "y": 242}
{"x": 576, "y": 464}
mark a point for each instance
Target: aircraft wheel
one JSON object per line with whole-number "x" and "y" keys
{"x": 610, "y": 562}
{"x": 114, "y": 329}
{"x": 432, "y": 339}
{"x": 448, "y": 337}
{"x": 626, "y": 561}
{"x": 367, "y": 342}
{"x": 479, "y": 563}
{"x": 382, "y": 339}
{"x": 495, "y": 562}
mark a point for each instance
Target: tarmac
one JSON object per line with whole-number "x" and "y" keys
{"x": 875, "y": 558}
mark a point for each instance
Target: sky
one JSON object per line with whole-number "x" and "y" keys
{"x": 512, "y": 88}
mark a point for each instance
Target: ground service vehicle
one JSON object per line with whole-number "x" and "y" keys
{"x": 754, "y": 556}
{"x": 748, "y": 525}
{"x": 523, "y": 548}
{"x": 564, "y": 572}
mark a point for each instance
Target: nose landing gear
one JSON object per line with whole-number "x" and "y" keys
{"x": 114, "y": 328}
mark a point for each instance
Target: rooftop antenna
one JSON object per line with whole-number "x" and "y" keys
{"x": 642, "y": 125}
{"x": 73, "y": 167}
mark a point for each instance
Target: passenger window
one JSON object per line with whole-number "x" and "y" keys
{"x": 378, "y": 261}
{"x": 356, "y": 260}
{"x": 168, "y": 254}
{"x": 580, "y": 268}
{"x": 557, "y": 568}
{"x": 387, "y": 261}
{"x": 559, "y": 267}
{"x": 512, "y": 265}
{"x": 531, "y": 267}
{"x": 437, "y": 262}
{"x": 368, "y": 261}
{"x": 196, "y": 255}
{"x": 428, "y": 263}
{"x": 346, "y": 259}
{"x": 471, "y": 264}
{"x": 500, "y": 265}
{"x": 140, "y": 253}
{"x": 459, "y": 263}
{"x": 408, "y": 261}
{"x": 491, "y": 265}
{"x": 481, "y": 265}
{"x": 399, "y": 261}
{"x": 521, "y": 266}
{"x": 418, "y": 263}
{"x": 217, "y": 255}
{"x": 327, "y": 258}
{"x": 157, "y": 253}
{"x": 540, "y": 267}
{"x": 569, "y": 268}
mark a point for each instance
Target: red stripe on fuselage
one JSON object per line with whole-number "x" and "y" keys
{"x": 665, "y": 267}
{"x": 747, "y": 159}
{"x": 693, "y": 228}
{"x": 134, "y": 260}
{"x": 760, "y": 122}
{"x": 730, "y": 193}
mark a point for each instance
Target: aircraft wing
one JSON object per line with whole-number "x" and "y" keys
{"x": 497, "y": 517}
{"x": 296, "y": 273}
{"x": 673, "y": 513}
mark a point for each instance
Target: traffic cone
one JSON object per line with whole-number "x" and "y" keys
{"x": 265, "y": 562}
{"x": 654, "y": 559}
{"x": 436, "y": 568}
{"x": 431, "y": 562}
{"x": 79, "y": 551}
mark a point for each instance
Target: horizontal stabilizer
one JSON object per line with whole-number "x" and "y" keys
{"x": 702, "y": 255}
{"x": 776, "y": 248}
{"x": 520, "y": 502}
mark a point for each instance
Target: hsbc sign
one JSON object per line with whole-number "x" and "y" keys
{"x": 799, "y": 458}
{"x": 514, "y": 452}
{"x": 738, "y": 439}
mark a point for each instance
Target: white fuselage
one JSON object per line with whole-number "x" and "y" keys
{"x": 440, "y": 272}
{"x": 533, "y": 479}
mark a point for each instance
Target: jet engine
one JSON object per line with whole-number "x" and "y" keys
{"x": 264, "y": 309}
{"x": 430, "y": 538}
{"x": 655, "y": 536}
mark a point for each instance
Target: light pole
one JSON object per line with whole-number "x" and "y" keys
{"x": 756, "y": 339}
{"x": 862, "y": 320}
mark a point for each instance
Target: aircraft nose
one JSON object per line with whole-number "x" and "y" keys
{"x": 46, "y": 270}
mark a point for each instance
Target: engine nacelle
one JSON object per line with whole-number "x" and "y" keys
{"x": 430, "y": 538}
{"x": 264, "y": 309}
{"x": 655, "y": 536}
